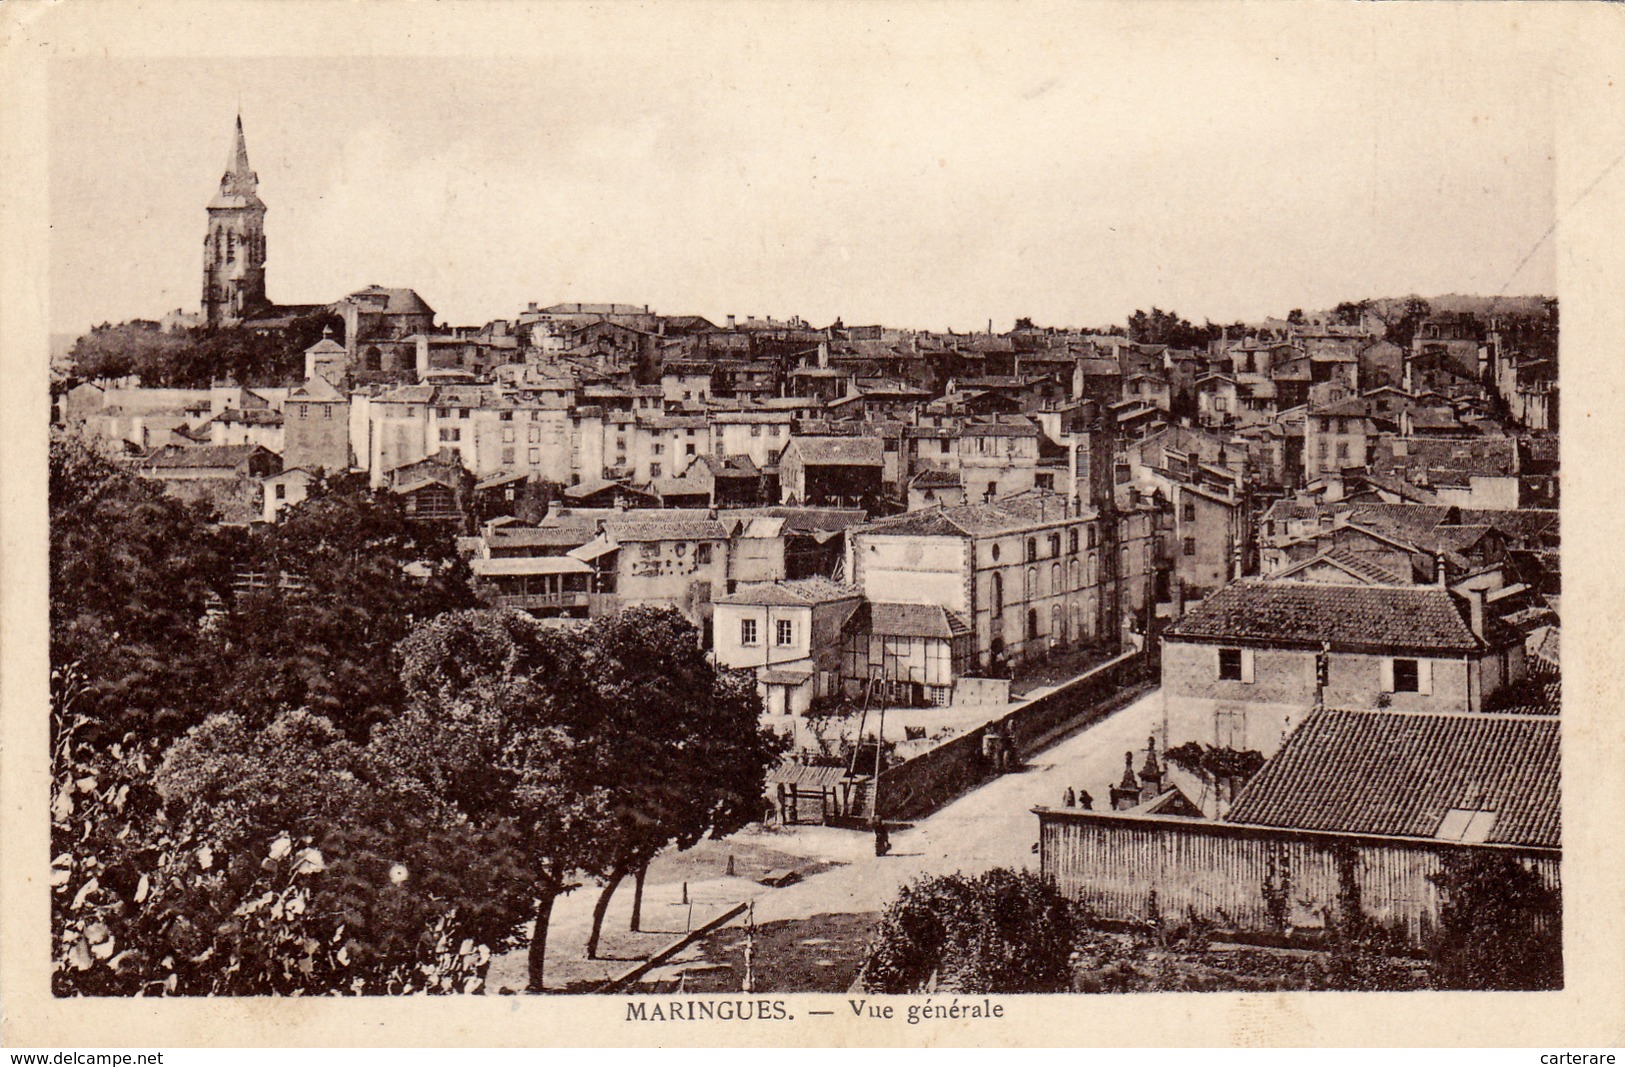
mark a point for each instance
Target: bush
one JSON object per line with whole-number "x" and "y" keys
{"x": 1500, "y": 926}
{"x": 1000, "y": 932}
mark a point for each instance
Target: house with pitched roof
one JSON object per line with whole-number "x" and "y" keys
{"x": 1243, "y": 668}
{"x": 790, "y": 634}
{"x": 822, "y": 471}
{"x": 1027, "y": 574}
{"x": 1360, "y": 809}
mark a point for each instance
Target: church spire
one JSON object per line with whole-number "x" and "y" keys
{"x": 239, "y": 179}
{"x": 239, "y": 185}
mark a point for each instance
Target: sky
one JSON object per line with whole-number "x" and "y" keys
{"x": 928, "y": 167}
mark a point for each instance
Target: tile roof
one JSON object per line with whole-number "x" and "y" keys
{"x": 203, "y": 455}
{"x": 1539, "y": 692}
{"x": 1399, "y": 773}
{"x": 316, "y": 389}
{"x": 1349, "y": 617}
{"x": 916, "y": 620}
{"x": 801, "y": 592}
{"x": 670, "y": 530}
{"x": 839, "y": 451}
{"x": 1021, "y": 511}
{"x": 1353, "y": 564}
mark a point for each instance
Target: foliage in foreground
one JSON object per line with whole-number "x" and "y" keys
{"x": 999, "y": 932}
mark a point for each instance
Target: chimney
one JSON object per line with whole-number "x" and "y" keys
{"x": 1126, "y": 794}
{"x": 1475, "y": 611}
{"x": 730, "y": 322}
{"x": 1151, "y": 773}
{"x": 1439, "y": 571}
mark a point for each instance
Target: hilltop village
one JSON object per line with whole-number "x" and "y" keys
{"x": 1309, "y": 565}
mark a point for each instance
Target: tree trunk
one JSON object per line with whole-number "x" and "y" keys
{"x": 538, "y": 940}
{"x": 636, "y": 925}
{"x": 601, "y": 907}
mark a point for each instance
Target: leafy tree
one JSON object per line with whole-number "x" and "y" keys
{"x": 132, "y": 573}
{"x": 1351, "y": 313}
{"x": 1295, "y": 317}
{"x": 248, "y": 862}
{"x": 1161, "y": 327}
{"x": 500, "y": 728}
{"x": 1025, "y": 323}
{"x": 999, "y": 932}
{"x": 199, "y": 357}
{"x": 347, "y": 575}
{"x": 682, "y": 754}
{"x": 1500, "y": 925}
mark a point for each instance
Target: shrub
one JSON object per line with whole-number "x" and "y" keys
{"x": 1000, "y": 932}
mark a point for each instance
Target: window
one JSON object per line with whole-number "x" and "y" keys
{"x": 281, "y": 491}
{"x": 304, "y": 411}
{"x": 995, "y": 552}
{"x": 1032, "y": 624}
{"x": 444, "y": 413}
{"x": 1236, "y": 665}
{"x": 785, "y": 632}
{"x": 1190, "y": 546}
{"x": 654, "y": 470}
{"x": 1054, "y": 544}
{"x": 1342, "y": 450}
{"x": 756, "y": 431}
{"x": 1091, "y": 537}
{"x": 747, "y": 631}
{"x": 1032, "y": 549}
{"x": 702, "y": 552}
{"x": 451, "y": 433}
{"x": 507, "y": 456}
{"x": 535, "y": 435}
{"x": 1072, "y": 540}
{"x": 691, "y": 448}
{"x": 657, "y": 448}
{"x": 535, "y": 457}
{"x": 1188, "y": 512}
{"x": 1408, "y": 676}
{"x": 507, "y": 434}
{"x": 505, "y": 416}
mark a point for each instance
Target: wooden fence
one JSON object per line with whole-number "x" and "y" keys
{"x": 1250, "y": 878}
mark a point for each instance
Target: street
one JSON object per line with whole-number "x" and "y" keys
{"x": 991, "y": 826}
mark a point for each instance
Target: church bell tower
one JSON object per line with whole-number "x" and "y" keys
{"x": 234, "y": 247}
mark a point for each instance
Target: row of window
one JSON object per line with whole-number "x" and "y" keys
{"x": 1053, "y": 542}
{"x": 1399, "y": 674}
{"x": 784, "y": 632}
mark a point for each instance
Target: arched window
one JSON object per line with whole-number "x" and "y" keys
{"x": 1054, "y": 579}
{"x": 998, "y": 593}
{"x": 1032, "y": 624}
{"x": 1091, "y": 536}
{"x": 1032, "y": 582}
{"x": 1092, "y": 577}
{"x": 1072, "y": 573}
{"x": 374, "y": 358}
{"x": 1032, "y": 549}
{"x": 231, "y": 247}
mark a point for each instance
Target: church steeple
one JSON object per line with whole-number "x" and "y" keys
{"x": 234, "y": 246}
{"x": 239, "y": 185}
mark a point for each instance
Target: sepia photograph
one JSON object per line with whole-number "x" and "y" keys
{"x": 838, "y": 506}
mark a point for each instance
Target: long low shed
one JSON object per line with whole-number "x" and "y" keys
{"x": 1251, "y": 878}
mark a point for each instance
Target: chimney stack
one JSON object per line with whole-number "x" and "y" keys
{"x": 1476, "y": 611}
{"x": 1439, "y": 571}
{"x": 730, "y": 322}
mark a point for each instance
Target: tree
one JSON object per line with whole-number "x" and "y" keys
{"x": 132, "y": 574}
{"x": 1351, "y": 313}
{"x": 1025, "y": 323}
{"x": 347, "y": 574}
{"x": 1500, "y": 925}
{"x": 683, "y": 754}
{"x": 1295, "y": 317}
{"x": 246, "y": 862}
{"x": 500, "y": 728}
{"x": 200, "y": 357}
{"x": 999, "y": 932}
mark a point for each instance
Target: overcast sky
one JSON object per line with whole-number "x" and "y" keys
{"x": 936, "y": 170}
